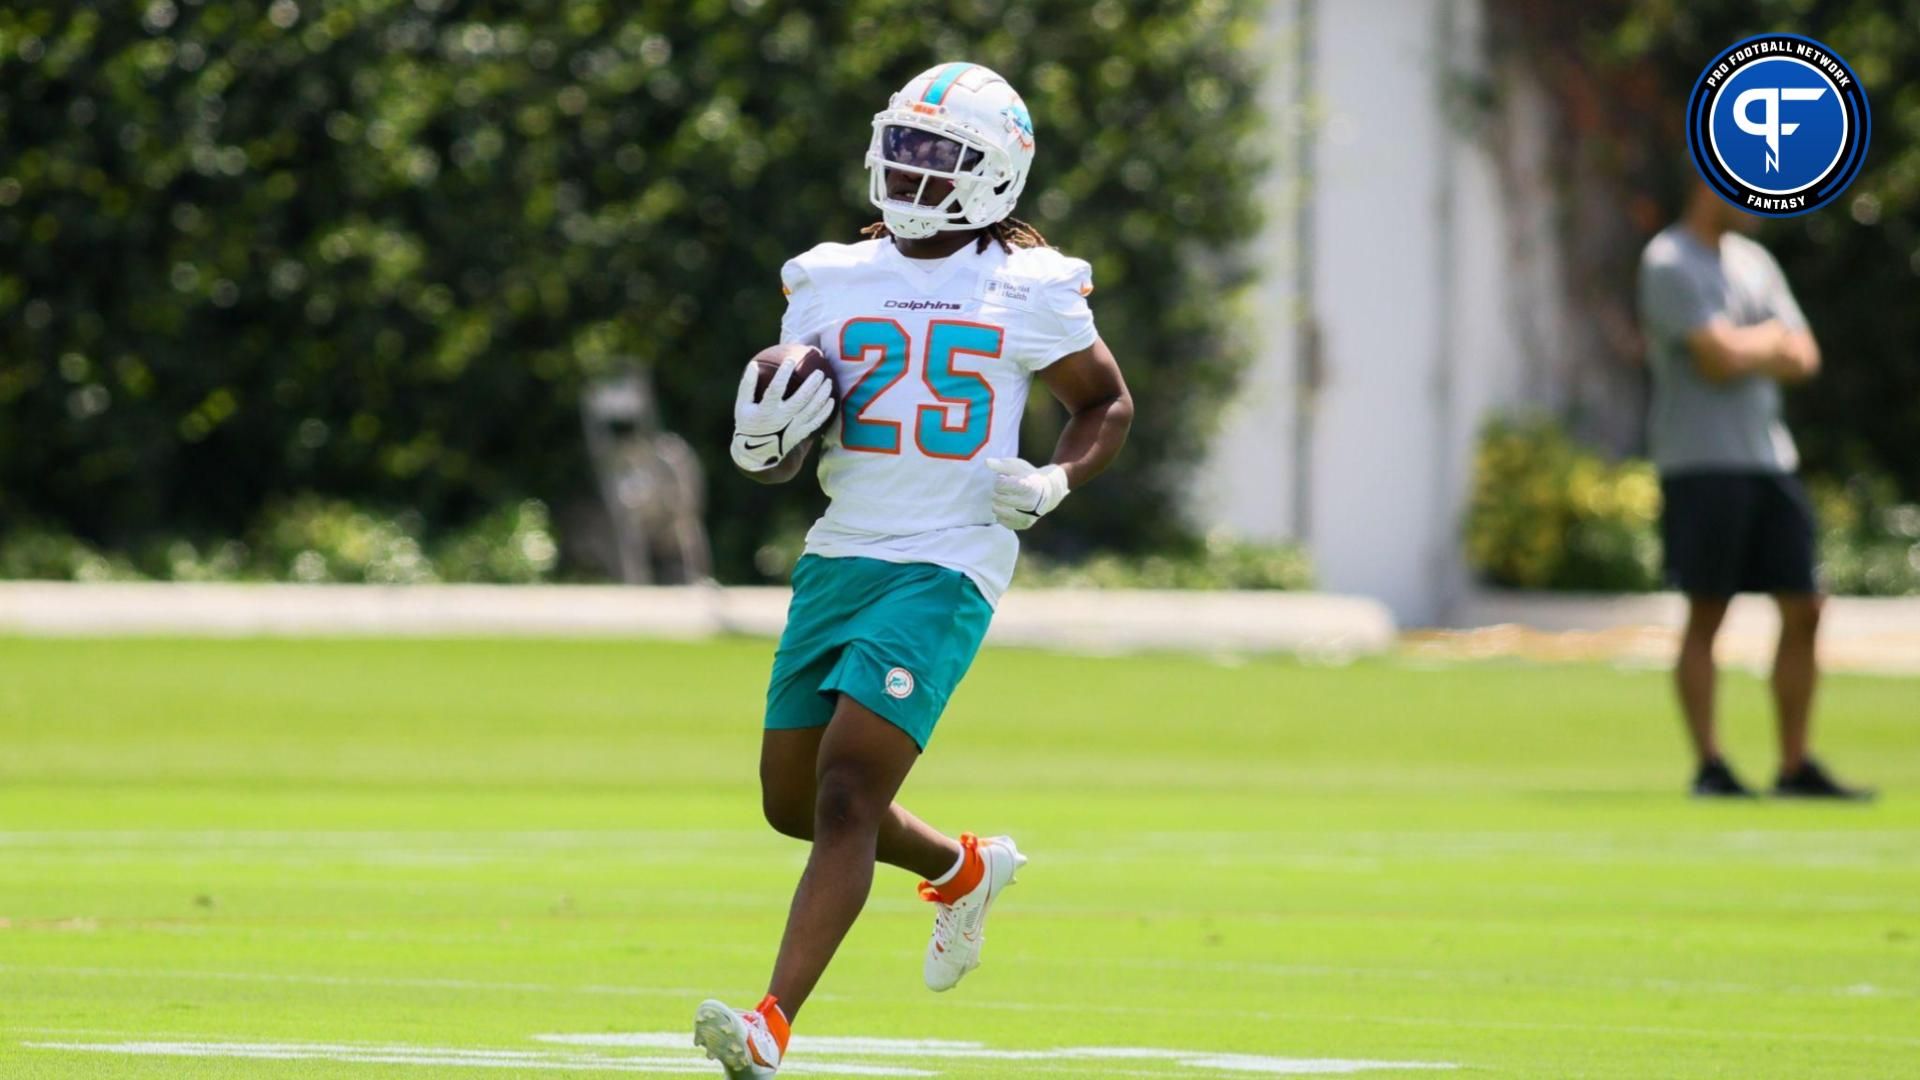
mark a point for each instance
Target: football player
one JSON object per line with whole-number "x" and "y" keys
{"x": 934, "y": 327}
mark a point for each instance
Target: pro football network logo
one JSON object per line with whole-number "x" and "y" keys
{"x": 1778, "y": 125}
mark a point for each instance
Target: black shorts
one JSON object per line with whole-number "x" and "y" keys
{"x": 1735, "y": 532}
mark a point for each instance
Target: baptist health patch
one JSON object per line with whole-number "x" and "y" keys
{"x": 899, "y": 683}
{"x": 1008, "y": 292}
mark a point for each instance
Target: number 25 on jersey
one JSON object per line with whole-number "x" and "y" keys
{"x": 933, "y": 433}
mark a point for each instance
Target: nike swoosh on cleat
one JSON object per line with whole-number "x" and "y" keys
{"x": 756, "y": 445}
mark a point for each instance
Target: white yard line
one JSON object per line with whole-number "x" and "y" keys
{"x": 1299, "y": 1019}
{"x": 923, "y": 1049}
{"x": 521, "y": 1060}
{"x": 1627, "y": 983}
{"x": 1568, "y": 981}
{"x": 1431, "y": 842}
{"x": 1357, "y": 850}
{"x": 1290, "y": 1018}
{"x": 1466, "y": 976}
{"x": 824, "y": 1056}
{"x": 360, "y": 980}
{"x": 687, "y": 841}
{"x": 1851, "y": 991}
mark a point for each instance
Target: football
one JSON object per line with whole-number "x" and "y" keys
{"x": 807, "y": 360}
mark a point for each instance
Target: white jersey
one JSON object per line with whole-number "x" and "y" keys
{"x": 932, "y": 358}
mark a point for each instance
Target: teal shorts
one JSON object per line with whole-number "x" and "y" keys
{"x": 895, "y": 637}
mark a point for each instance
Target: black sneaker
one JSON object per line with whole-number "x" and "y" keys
{"x": 1716, "y": 781}
{"x": 1811, "y": 781}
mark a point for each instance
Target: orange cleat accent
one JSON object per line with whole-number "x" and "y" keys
{"x": 769, "y": 1009}
{"x": 960, "y": 908}
{"x": 972, "y": 870}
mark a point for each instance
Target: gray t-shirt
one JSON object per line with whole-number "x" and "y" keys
{"x": 1697, "y": 424}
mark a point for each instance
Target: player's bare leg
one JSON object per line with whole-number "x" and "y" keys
{"x": 788, "y": 772}
{"x": 1795, "y": 672}
{"x": 861, "y": 764}
{"x": 1694, "y": 674}
{"x": 971, "y": 873}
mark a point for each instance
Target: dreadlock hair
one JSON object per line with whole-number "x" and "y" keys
{"x": 1008, "y": 232}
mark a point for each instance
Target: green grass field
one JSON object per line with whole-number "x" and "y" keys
{"x": 411, "y": 859}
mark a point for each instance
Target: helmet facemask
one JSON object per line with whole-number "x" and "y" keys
{"x": 985, "y": 186}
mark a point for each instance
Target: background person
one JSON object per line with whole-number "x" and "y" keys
{"x": 1724, "y": 334}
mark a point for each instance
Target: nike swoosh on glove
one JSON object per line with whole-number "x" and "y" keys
{"x": 765, "y": 431}
{"x": 1023, "y": 494}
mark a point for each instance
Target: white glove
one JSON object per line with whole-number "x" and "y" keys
{"x": 1022, "y": 493}
{"x": 765, "y": 431}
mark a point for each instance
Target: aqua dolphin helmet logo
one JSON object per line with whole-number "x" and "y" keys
{"x": 1018, "y": 116}
{"x": 1778, "y": 125}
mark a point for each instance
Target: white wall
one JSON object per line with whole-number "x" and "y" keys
{"x": 1430, "y": 287}
{"x": 1249, "y": 490}
{"x": 1377, "y": 269}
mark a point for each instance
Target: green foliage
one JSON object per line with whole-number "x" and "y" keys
{"x": 183, "y": 560}
{"x": 1855, "y": 265}
{"x": 512, "y": 546}
{"x": 371, "y": 248}
{"x": 1869, "y": 539}
{"x": 33, "y": 551}
{"x": 312, "y": 540}
{"x": 1547, "y": 514}
{"x": 1622, "y": 70}
{"x": 1220, "y": 563}
{"x": 309, "y": 540}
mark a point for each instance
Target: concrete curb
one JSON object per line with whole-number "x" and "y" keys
{"x": 1845, "y": 616}
{"x": 1078, "y": 620}
{"x": 1856, "y": 633}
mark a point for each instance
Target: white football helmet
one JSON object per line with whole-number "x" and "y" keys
{"x": 958, "y": 122}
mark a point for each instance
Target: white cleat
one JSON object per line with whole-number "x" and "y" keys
{"x": 959, "y": 928}
{"x": 738, "y": 1040}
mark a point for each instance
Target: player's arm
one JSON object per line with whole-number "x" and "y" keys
{"x": 1675, "y": 302}
{"x": 788, "y": 468}
{"x": 1723, "y": 352}
{"x": 1090, "y": 385}
{"x": 1799, "y": 358}
{"x": 798, "y": 420}
{"x": 766, "y": 423}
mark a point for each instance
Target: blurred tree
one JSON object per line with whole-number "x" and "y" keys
{"x": 1621, "y": 71}
{"x": 372, "y": 248}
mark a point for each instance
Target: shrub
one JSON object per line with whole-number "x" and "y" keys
{"x": 32, "y": 551}
{"x": 177, "y": 559}
{"x": 1220, "y": 563}
{"x": 1546, "y": 514}
{"x": 313, "y": 540}
{"x": 1869, "y": 538}
{"x": 310, "y": 540}
{"x": 375, "y": 249}
{"x": 514, "y": 545}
